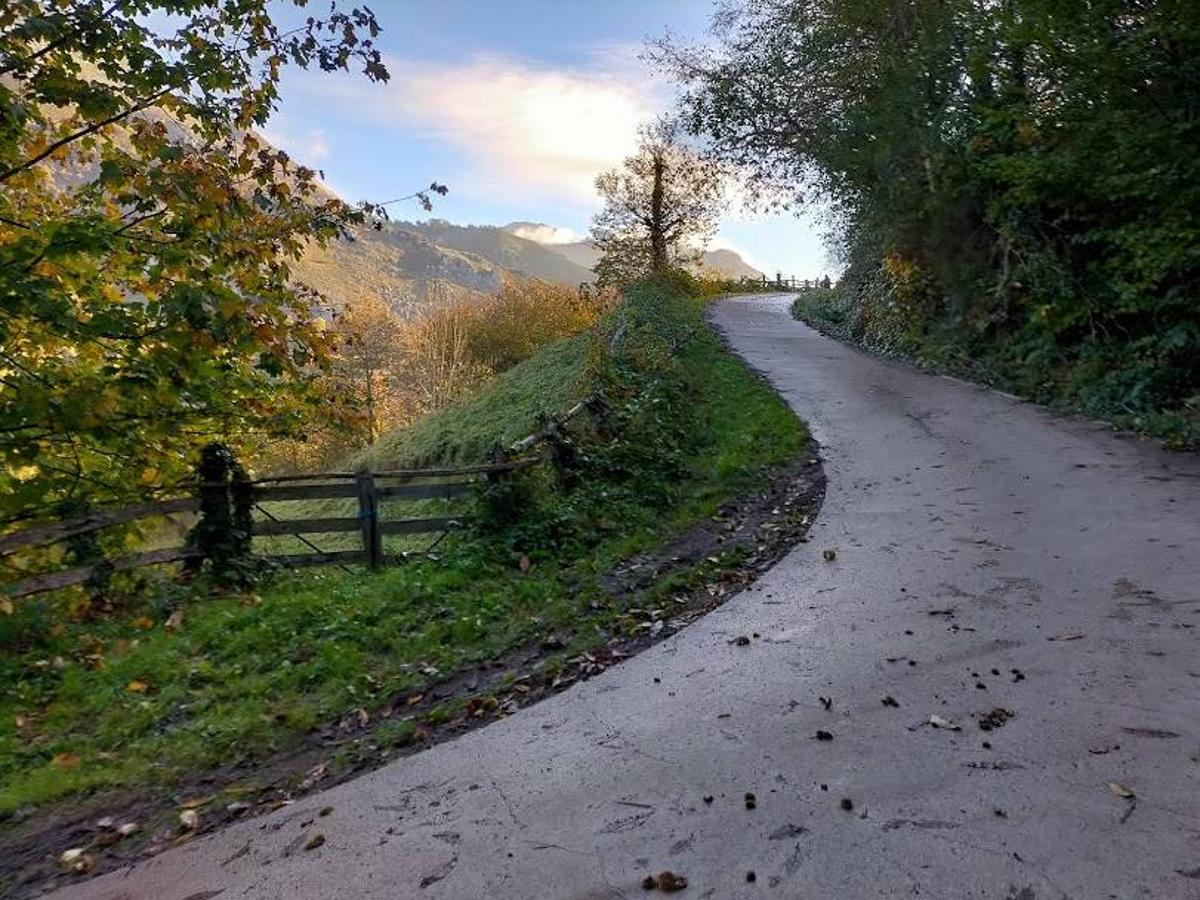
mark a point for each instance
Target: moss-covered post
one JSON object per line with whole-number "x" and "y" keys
{"x": 223, "y": 534}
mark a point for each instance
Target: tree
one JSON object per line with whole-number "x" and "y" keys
{"x": 660, "y": 207}
{"x": 146, "y": 237}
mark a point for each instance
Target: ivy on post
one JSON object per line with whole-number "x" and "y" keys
{"x": 564, "y": 454}
{"x": 223, "y": 534}
{"x": 368, "y": 519}
{"x": 499, "y": 504}
{"x": 85, "y": 550}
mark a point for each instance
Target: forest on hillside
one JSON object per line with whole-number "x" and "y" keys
{"x": 1013, "y": 186}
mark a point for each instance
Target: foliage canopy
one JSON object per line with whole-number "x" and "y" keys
{"x": 146, "y": 234}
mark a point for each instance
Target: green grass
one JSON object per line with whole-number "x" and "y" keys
{"x": 248, "y": 677}
{"x": 504, "y": 412}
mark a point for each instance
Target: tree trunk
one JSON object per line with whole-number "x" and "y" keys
{"x": 658, "y": 232}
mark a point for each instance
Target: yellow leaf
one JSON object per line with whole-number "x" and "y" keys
{"x": 25, "y": 473}
{"x": 145, "y": 623}
{"x": 6, "y": 606}
{"x": 149, "y": 476}
{"x": 137, "y": 687}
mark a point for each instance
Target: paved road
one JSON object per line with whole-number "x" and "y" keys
{"x": 942, "y": 496}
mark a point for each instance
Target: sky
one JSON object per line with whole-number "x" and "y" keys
{"x": 516, "y": 106}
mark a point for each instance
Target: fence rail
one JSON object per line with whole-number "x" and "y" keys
{"x": 365, "y": 487}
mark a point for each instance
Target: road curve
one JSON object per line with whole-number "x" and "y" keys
{"x": 989, "y": 556}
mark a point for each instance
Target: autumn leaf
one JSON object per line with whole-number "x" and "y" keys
{"x": 65, "y": 760}
{"x": 1120, "y": 790}
{"x": 137, "y": 687}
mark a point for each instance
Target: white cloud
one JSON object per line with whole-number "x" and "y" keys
{"x": 523, "y": 128}
{"x": 545, "y": 234}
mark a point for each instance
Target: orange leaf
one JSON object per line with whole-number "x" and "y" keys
{"x": 65, "y": 760}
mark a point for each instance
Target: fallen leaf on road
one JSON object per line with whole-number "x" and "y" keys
{"x": 995, "y": 719}
{"x": 1067, "y": 636}
{"x": 1120, "y": 790}
{"x": 890, "y": 701}
{"x": 314, "y": 842}
{"x": 829, "y": 554}
{"x": 666, "y": 881}
{"x": 741, "y": 641}
{"x": 938, "y": 722}
{"x": 824, "y": 736}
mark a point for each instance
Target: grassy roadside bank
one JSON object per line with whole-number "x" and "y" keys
{"x": 1068, "y": 389}
{"x": 100, "y": 714}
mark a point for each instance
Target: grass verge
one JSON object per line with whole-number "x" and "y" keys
{"x": 1072, "y": 388}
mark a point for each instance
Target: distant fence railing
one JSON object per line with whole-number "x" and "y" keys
{"x": 368, "y": 488}
{"x": 784, "y": 283}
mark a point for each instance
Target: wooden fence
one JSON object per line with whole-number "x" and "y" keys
{"x": 368, "y": 488}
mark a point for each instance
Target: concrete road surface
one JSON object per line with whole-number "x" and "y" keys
{"x": 990, "y": 556}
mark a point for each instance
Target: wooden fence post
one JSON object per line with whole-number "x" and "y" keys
{"x": 368, "y": 519}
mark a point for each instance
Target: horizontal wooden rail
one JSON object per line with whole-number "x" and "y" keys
{"x": 52, "y": 581}
{"x": 59, "y": 531}
{"x": 482, "y": 469}
{"x": 430, "y": 491}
